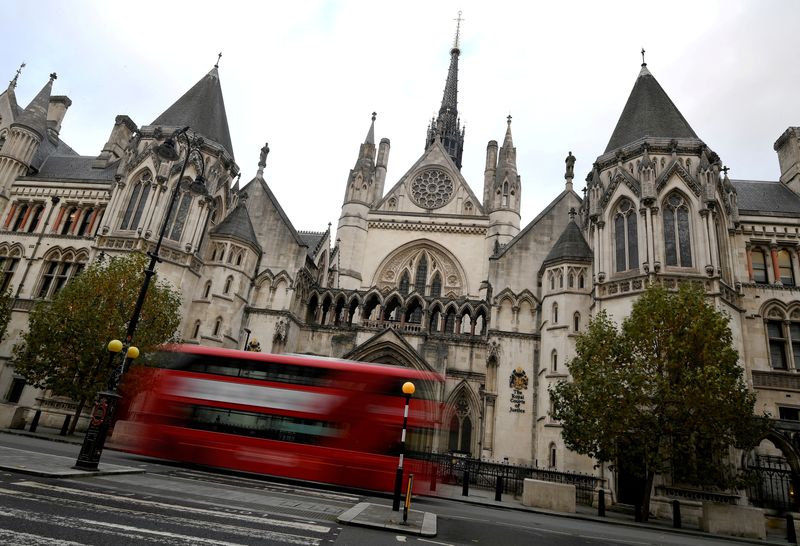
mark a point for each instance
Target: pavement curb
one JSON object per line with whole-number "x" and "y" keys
{"x": 377, "y": 516}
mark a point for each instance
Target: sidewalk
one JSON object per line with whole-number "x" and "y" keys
{"x": 366, "y": 514}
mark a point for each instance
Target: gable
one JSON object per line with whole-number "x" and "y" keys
{"x": 432, "y": 186}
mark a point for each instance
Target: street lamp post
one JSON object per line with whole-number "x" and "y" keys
{"x": 247, "y": 338}
{"x": 103, "y": 411}
{"x": 408, "y": 390}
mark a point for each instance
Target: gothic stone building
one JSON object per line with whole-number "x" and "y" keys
{"x": 428, "y": 274}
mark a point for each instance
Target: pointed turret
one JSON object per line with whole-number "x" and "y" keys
{"x": 502, "y": 192}
{"x": 237, "y": 225}
{"x": 570, "y": 247}
{"x": 649, "y": 112}
{"x": 447, "y": 125}
{"x": 360, "y": 186}
{"x": 203, "y": 109}
{"x": 34, "y": 117}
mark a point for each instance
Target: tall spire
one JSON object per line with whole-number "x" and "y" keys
{"x": 35, "y": 115}
{"x": 447, "y": 126}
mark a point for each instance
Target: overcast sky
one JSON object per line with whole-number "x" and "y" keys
{"x": 305, "y": 77}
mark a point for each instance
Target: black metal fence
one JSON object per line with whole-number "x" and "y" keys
{"x": 484, "y": 474}
{"x": 773, "y": 489}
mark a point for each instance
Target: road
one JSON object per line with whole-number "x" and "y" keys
{"x": 186, "y": 506}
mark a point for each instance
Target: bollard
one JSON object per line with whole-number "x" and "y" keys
{"x": 676, "y": 514}
{"x": 65, "y": 426}
{"x": 601, "y": 503}
{"x": 35, "y": 422}
{"x": 465, "y": 487}
{"x": 498, "y": 489}
{"x": 637, "y": 512}
{"x": 791, "y": 534}
{"x": 407, "y": 504}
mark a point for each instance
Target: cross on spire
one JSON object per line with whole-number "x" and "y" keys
{"x": 219, "y": 56}
{"x": 509, "y": 119}
{"x": 725, "y": 170}
{"x": 643, "y": 63}
{"x": 458, "y": 29}
{"x": 13, "y": 83}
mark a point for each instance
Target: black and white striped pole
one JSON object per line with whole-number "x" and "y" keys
{"x": 408, "y": 390}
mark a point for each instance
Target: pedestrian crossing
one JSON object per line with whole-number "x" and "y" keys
{"x": 172, "y": 510}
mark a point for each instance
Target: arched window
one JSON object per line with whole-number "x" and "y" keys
{"x": 207, "y": 290}
{"x": 138, "y": 199}
{"x": 239, "y": 259}
{"x": 8, "y": 264}
{"x": 421, "y": 276}
{"x": 228, "y": 283}
{"x": 576, "y": 322}
{"x": 196, "y": 333}
{"x": 677, "y": 237}
{"x": 551, "y": 457}
{"x": 404, "y": 283}
{"x": 22, "y": 215}
{"x": 87, "y": 218}
{"x": 785, "y": 266}
{"x": 759, "y": 261}
{"x": 69, "y": 220}
{"x": 581, "y": 281}
{"x": 436, "y": 286}
{"x": 217, "y": 326}
{"x": 505, "y": 194}
{"x": 555, "y": 313}
{"x": 552, "y": 281}
{"x": 571, "y": 280}
{"x": 625, "y": 237}
{"x": 36, "y": 217}
{"x": 468, "y": 207}
{"x": 554, "y": 361}
{"x": 178, "y": 217}
{"x": 560, "y": 279}
{"x": 56, "y": 272}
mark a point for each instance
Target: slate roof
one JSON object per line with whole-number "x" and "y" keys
{"x": 762, "y": 198}
{"x": 237, "y": 225}
{"x": 649, "y": 112}
{"x": 74, "y": 167}
{"x": 312, "y": 239}
{"x": 203, "y": 109}
{"x": 571, "y": 246}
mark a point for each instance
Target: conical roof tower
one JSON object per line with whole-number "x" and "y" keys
{"x": 649, "y": 112}
{"x": 203, "y": 109}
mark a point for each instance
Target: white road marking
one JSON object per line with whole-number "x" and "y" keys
{"x": 400, "y": 538}
{"x": 117, "y": 530}
{"x": 434, "y": 542}
{"x": 165, "y": 506}
{"x": 12, "y": 537}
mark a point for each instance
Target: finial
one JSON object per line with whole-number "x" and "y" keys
{"x": 725, "y": 170}
{"x": 53, "y": 76}
{"x": 508, "y": 119}
{"x": 13, "y": 83}
{"x": 458, "y": 29}
{"x": 374, "y": 115}
{"x": 643, "y": 63}
{"x": 219, "y": 56}
{"x": 572, "y": 213}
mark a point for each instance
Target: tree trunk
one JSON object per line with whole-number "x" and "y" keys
{"x": 648, "y": 487}
{"x": 77, "y": 415}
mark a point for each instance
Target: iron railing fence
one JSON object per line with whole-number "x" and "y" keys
{"x": 452, "y": 469}
{"x": 773, "y": 489}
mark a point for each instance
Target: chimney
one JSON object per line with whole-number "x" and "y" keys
{"x": 56, "y": 111}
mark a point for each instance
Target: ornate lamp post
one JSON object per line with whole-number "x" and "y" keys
{"x": 247, "y": 338}
{"x": 103, "y": 412}
{"x": 408, "y": 390}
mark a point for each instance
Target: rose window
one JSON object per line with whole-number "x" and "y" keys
{"x": 432, "y": 189}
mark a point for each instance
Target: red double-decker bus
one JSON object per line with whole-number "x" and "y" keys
{"x": 311, "y": 418}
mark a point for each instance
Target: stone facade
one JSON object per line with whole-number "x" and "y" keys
{"x": 426, "y": 275}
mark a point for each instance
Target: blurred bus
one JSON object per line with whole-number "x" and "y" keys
{"x": 303, "y": 417}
